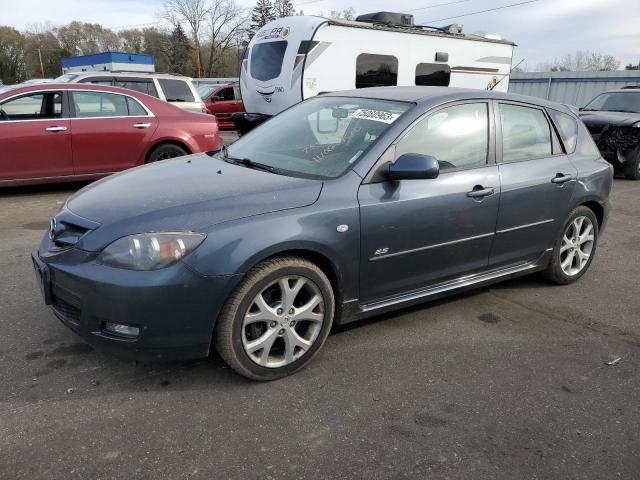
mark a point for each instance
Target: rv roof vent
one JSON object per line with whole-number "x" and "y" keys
{"x": 453, "y": 28}
{"x": 489, "y": 36}
{"x": 389, "y": 18}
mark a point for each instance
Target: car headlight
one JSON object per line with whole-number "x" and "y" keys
{"x": 636, "y": 125}
{"x": 149, "y": 251}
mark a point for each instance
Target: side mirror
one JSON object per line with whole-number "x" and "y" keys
{"x": 414, "y": 166}
{"x": 214, "y": 98}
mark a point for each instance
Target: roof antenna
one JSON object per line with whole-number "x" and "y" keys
{"x": 494, "y": 83}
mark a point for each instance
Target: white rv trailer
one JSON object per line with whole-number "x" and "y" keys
{"x": 294, "y": 58}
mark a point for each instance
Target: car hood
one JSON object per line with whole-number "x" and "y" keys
{"x": 603, "y": 119}
{"x": 190, "y": 193}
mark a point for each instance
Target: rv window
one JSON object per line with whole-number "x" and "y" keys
{"x": 376, "y": 70}
{"x": 266, "y": 60}
{"x": 433, "y": 74}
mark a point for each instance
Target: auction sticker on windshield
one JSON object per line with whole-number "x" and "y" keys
{"x": 375, "y": 115}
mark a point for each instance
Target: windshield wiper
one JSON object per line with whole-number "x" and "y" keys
{"x": 247, "y": 162}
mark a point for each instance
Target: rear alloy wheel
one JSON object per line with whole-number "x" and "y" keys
{"x": 165, "y": 152}
{"x": 575, "y": 249}
{"x": 277, "y": 319}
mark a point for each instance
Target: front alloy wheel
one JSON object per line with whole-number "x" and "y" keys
{"x": 276, "y": 320}
{"x": 283, "y": 321}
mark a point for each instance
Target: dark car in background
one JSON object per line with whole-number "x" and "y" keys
{"x": 613, "y": 119}
{"x": 69, "y": 132}
{"x": 222, "y": 101}
{"x": 344, "y": 206}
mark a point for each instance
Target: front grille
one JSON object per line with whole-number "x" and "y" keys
{"x": 66, "y": 310}
{"x": 595, "y": 129}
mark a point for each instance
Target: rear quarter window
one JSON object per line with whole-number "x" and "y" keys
{"x": 568, "y": 128}
{"x": 176, "y": 90}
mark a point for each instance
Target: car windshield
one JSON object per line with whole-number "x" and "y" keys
{"x": 205, "y": 90}
{"x": 616, "y": 102}
{"x": 319, "y": 138}
{"x": 66, "y": 78}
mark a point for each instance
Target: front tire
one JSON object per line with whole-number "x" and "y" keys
{"x": 276, "y": 320}
{"x": 573, "y": 252}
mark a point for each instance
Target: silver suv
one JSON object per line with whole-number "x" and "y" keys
{"x": 174, "y": 89}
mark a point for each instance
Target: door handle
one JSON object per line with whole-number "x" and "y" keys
{"x": 561, "y": 178}
{"x": 480, "y": 192}
{"x": 56, "y": 129}
{"x": 141, "y": 125}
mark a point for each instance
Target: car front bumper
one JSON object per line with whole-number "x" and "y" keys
{"x": 174, "y": 308}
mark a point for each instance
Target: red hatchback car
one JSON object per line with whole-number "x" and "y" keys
{"x": 67, "y": 132}
{"x": 222, "y": 101}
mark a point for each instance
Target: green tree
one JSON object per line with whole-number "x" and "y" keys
{"x": 283, "y": 8}
{"x": 179, "y": 51}
{"x": 261, "y": 14}
{"x": 158, "y": 44}
{"x": 79, "y": 38}
{"x": 12, "y": 66}
{"x": 42, "y": 52}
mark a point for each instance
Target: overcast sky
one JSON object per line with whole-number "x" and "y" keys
{"x": 543, "y": 30}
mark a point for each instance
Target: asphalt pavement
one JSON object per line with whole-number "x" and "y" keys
{"x": 507, "y": 382}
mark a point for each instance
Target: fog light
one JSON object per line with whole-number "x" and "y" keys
{"x": 121, "y": 330}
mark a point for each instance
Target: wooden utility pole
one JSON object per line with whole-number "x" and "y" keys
{"x": 41, "y": 66}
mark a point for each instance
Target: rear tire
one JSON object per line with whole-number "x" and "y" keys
{"x": 276, "y": 320}
{"x": 574, "y": 250}
{"x": 631, "y": 168}
{"x": 165, "y": 152}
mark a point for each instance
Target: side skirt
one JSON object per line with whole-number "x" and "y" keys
{"x": 353, "y": 310}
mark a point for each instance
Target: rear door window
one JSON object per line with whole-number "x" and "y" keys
{"x": 98, "y": 81}
{"x": 526, "y": 133}
{"x": 99, "y": 104}
{"x": 433, "y": 74}
{"x": 139, "y": 85}
{"x": 266, "y": 60}
{"x": 376, "y": 70}
{"x": 176, "y": 90}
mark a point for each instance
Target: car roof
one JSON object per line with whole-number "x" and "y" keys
{"x": 434, "y": 95}
{"x": 72, "y": 86}
{"x": 623, "y": 90}
{"x": 116, "y": 73}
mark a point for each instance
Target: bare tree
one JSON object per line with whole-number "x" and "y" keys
{"x": 226, "y": 22}
{"x": 346, "y": 14}
{"x": 194, "y": 13}
{"x": 581, "y": 61}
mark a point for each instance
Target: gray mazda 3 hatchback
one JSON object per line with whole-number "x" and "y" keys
{"x": 344, "y": 206}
